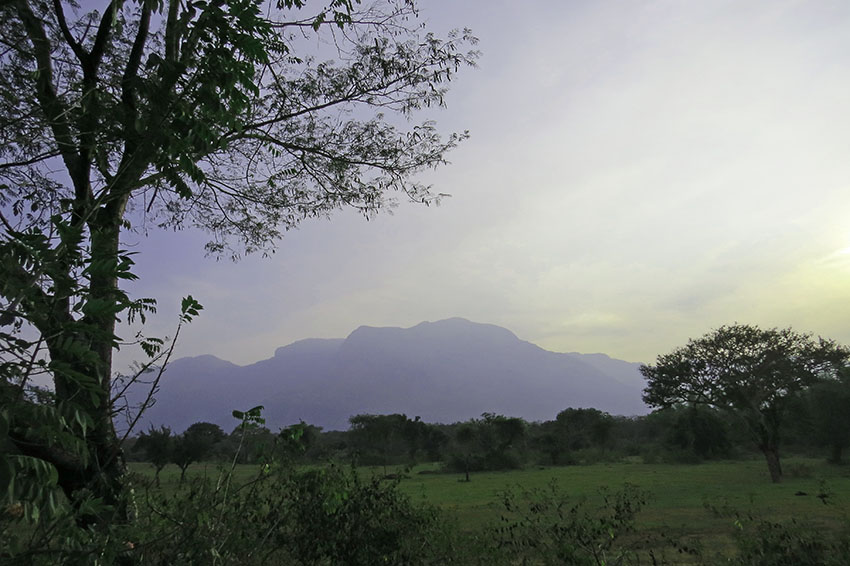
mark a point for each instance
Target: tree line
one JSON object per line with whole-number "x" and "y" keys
{"x": 818, "y": 424}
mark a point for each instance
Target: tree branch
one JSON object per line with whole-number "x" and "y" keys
{"x": 102, "y": 36}
{"x": 66, "y": 32}
{"x": 31, "y": 161}
{"x": 51, "y": 105}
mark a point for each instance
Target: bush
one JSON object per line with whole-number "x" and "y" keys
{"x": 765, "y": 542}
{"x": 769, "y": 543}
{"x": 544, "y": 526}
{"x": 317, "y": 517}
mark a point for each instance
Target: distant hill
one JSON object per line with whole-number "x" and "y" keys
{"x": 444, "y": 371}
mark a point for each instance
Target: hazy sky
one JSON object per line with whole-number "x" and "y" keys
{"x": 638, "y": 173}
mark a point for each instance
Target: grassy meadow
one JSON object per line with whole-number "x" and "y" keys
{"x": 680, "y": 502}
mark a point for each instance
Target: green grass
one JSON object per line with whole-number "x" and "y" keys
{"x": 679, "y": 493}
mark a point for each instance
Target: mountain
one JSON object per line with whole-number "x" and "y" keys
{"x": 444, "y": 371}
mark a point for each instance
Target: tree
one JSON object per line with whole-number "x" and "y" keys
{"x": 195, "y": 444}
{"x": 573, "y": 429}
{"x": 158, "y": 446}
{"x": 172, "y": 114}
{"x": 295, "y": 441}
{"x": 493, "y": 442}
{"x": 748, "y": 371}
{"x": 209, "y": 433}
{"x": 583, "y": 428}
{"x": 829, "y": 407}
{"x": 697, "y": 430}
{"x": 466, "y": 435}
{"x": 251, "y": 444}
{"x": 380, "y": 438}
{"x": 504, "y": 440}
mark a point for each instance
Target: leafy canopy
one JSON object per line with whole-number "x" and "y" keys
{"x": 741, "y": 367}
{"x": 238, "y": 117}
{"x": 747, "y": 371}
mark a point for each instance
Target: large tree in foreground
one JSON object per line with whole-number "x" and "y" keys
{"x": 747, "y": 371}
{"x": 217, "y": 114}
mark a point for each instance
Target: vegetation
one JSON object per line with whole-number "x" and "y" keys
{"x": 173, "y": 114}
{"x": 211, "y": 114}
{"x": 292, "y": 492}
{"x": 827, "y": 409}
{"x": 158, "y": 447}
{"x": 753, "y": 373}
{"x": 709, "y": 512}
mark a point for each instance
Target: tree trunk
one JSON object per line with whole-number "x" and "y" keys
{"x": 771, "y": 454}
{"x": 105, "y": 238}
{"x": 81, "y": 357}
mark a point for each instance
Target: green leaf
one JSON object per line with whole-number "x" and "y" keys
{"x": 189, "y": 308}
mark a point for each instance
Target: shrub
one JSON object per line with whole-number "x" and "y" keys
{"x": 314, "y": 517}
{"x": 544, "y": 526}
{"x": 770, "y": 543}
{"x": 317, "y": 517}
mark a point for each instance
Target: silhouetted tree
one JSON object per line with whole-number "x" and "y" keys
{"x": 698, "y": 430}
{"x": 466, "y": 435}
{"x": 297, "y": 440}
{"x": 747, "y": 371}
{"x": 380, "y": 438}
{"x": 829, "y": 406}
{"x": 583, "y": 428}
{"x": 195, "y": 444}
{"x": 494, "y": 442}
{"x": 158, "y": 446}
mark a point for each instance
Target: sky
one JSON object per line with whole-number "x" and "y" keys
{"x": 638, "y": 173}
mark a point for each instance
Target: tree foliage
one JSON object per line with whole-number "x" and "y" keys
{"x": 195, "y": 444}
{"x": 212, "y": 114}
{"x": 493, "y": 442}
{"x": 698, "y": 432}
{"x": 829, "y": 406}
{"x": 582, "y": 428}
{"x": 748, "y": 371}
{"x": 158, "y": 446}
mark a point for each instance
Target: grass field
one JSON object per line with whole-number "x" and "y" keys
{"x": 679, "y": 494}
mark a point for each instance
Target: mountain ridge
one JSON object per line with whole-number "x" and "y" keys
{"x": 444, "y": 371}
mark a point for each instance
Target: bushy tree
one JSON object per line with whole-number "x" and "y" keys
{"x": 583, "y": 428}
{"x": 829, "y": 407}
{"x": 195, "y": 444}
{"x": 572, "y": 430}
{"x": 493, "y": 442}
{"x": 747, "y": 371}
{"x": 167, "y": 113}
{"x": 380, "y": 439}
{"x": 697, "y": 430}
{"x": 158, "y": 446}
{"x": 463, "y": 457}
{"x": 296, "y": 441}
